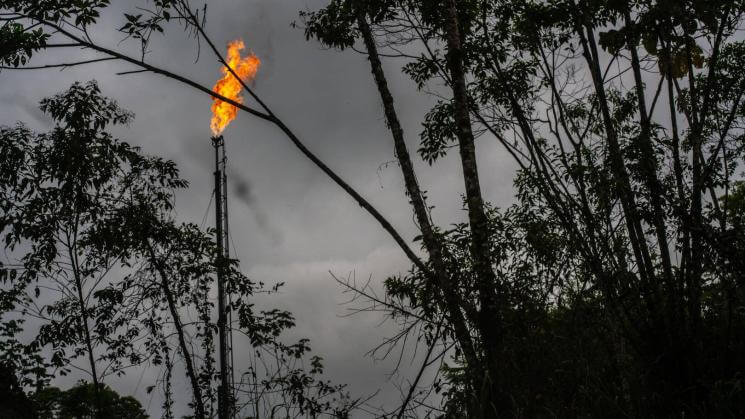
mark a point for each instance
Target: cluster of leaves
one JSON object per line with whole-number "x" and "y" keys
{"x": 30, "y": 23}
{"x": 17, "y": 44}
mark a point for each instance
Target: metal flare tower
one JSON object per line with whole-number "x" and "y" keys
{"x": 224, "y": 391}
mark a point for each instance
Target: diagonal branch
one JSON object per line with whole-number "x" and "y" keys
{"x": 434, "y": 246}
{"x": 269, "y": 116}
{"x": 60, "y": 65}
{"x": 296, "y": 141}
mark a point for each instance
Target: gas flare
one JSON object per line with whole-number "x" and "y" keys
{"x": 245, "y": 67}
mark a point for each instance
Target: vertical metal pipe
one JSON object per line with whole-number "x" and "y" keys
{"x": 223, "y": 390}
{"x": 226, "y": 233}
{"x": 229, "y": 310}
{"x": 231, "y": 368}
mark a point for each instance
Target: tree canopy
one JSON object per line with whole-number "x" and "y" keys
{"x": 79, "y": 402}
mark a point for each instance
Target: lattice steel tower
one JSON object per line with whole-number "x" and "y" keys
{"x": 225, "y": 389}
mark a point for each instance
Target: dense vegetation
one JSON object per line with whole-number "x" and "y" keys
{"x": 51, "y": 402}
{"x": 612, "y": 288}
{"x": 110, "y": 281}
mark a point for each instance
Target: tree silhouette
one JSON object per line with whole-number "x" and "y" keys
{"x": 108, "y": 274}
{"x": 79, "y": 402}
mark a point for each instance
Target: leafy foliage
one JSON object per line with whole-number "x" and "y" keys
{"x": 79, "y": 204}
{"x": 79, "y": 402}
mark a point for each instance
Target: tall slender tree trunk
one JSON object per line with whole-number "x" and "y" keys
{"x": 671, "y": 319}
{"x": 190, "y": 370}
{"x": 84, "y": 323}
{"x": 433, "y": 245}
{"x": 89, "y": 346}
{"x": 649, "y": 163}
{"x": 489, "y": 321}
{"x": 618, "y": 167}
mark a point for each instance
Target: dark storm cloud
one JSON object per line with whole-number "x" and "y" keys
{"x": 288, "y": 221}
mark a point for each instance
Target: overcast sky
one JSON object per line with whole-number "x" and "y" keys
{"x": 289, "y": 222}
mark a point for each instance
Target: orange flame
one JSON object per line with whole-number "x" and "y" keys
{"x": 222, "y": 112}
